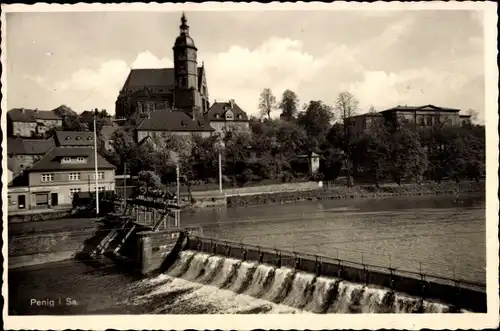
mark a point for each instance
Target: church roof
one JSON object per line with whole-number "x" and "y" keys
{"x": 163, "y": 78}
{"x": 220, "y": 108}
{"x": 173, "y": 121}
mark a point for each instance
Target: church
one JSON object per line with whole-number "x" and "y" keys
{"x": 176, "y": 99}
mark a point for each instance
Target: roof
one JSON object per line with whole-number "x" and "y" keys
{"x": 31, "y": 115}
{"x": 220, "y": 108}
{"x": 52, "y": 160}
{"x": 431, "y": 108}
{"x": 366, "y": 115}
{"x": 74, "y": 138}
{"x": 150, "y": 77}
{"x": 17, "y": 146}
{"x": 163, "y": 78}
{"x": 173, "y": 121}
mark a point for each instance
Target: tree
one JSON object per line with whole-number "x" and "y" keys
{"x": 316, "y": 121}
{"x": 148, "y": 183}
{"x": 125, "y": 150}
{"x": 289, "y": 105}
{"x": 101, "y": 118}
{"x": 347, "y": 105}
{"x": 331, "y": 165}
{"x": 371, "y": 152}
{"x": 70, "y": 119}
{"x": 408, "y": 160}
{"x": 267, "y": 103}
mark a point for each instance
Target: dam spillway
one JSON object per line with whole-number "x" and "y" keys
{"x": 304, "y": 292}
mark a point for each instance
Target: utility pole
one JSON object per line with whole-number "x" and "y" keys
{"x": 220, "y": 172}
{"x": 125, "y": 184}
{"x": 96, "y": 169}
{"x": 178, "y": 185}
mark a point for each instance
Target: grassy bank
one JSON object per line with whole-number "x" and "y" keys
{"x": 362, "y": 191}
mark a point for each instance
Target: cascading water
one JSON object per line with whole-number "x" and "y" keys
{"x": 235, "y": 286}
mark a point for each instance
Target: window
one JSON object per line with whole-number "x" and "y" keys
{"x": 89, "y": 138}
{"x": 100, "y": 175}
{"x": 80, "y": 159}
{"x": 101, "y": 188}
{"x": 73, "y": 191}
{"x": 47, "y": 177}
{"x": 74, "y": 176}
{"x": 66, "y": 159}
{"x": 78, "y": 138}
{"x": 229, "y": 116}
{"x": 42, "y": 199}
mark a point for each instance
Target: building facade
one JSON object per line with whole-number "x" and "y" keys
{"x": 425, "y": 116}
{"x": 361, "y": 123}
{"x": 162, "y": 123}
{"x": 23, "y": 153}
{"x": 27, "y": 123}
{"x": 416, "y": 117}
{"x": 53, "y": 180}
{"x": 227, "y": 117}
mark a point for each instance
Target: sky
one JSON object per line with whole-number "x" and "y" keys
{"x": 384, "y": 58}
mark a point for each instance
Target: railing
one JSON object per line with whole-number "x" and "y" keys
{"x": 322, "y": 258}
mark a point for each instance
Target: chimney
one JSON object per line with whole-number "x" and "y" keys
{"x": 36, "y": 110}
{"x": 231, "y": 102}
{"x": 23, "y": 110}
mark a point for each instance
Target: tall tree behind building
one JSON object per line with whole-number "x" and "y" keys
{"x": 289, "y": 105}
{"x": 347, "y": 105}
{"x": 267, "y": 103}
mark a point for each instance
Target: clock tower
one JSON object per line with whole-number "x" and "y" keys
{"x": 187, "y": 97}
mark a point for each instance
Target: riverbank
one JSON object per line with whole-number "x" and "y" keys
{"x": 362, "y": 191}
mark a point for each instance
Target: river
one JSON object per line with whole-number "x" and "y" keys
{"x": 437, "y": 235}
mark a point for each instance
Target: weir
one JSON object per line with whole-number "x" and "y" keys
{"x": 154, "y": 245}
{"x": 460, "y": 294}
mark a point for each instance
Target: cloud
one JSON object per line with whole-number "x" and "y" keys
{"x": 147, "y": 60}
{"x": 90, "y": 87}
{"x": 378, "y": 71}
{"x": 278, "y": 63}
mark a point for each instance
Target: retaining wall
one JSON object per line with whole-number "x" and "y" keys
{"x": 33, "y": 216}
{"x": 455, "y": 294}
{"x": 362, "y": 191}
{"x": 264, "y": 189}
{"x": 39, "y": 248}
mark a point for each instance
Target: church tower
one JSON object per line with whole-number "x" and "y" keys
{"x": 187, "y": 97}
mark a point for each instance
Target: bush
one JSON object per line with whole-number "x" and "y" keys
{"x": 287, "y": 177}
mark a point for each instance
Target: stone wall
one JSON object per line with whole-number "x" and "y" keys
{"x": 462, "y": 296}
{"x": 265, "y": 189}
{"x": 39, "y": 248}
{"x": 154, "y": 247}
{"x": 361, "y": 191}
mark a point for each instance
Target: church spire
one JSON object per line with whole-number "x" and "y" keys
{"x": 184, "y": 27}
